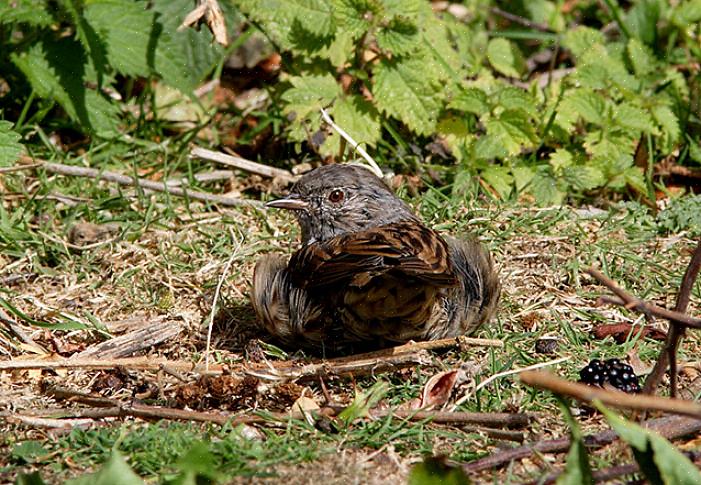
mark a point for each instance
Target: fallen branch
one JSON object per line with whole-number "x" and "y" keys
{"x": 241, "y": 163}
{"x": 668, "y": 355}
{"x": 671, "y": 427}
{"x": 617, "y": 399}
{"x": 632, "y": 303}
{"x": 505, "y": 420}
{"x": 120, "y": 179}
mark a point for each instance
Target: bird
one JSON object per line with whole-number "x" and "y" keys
{"x": 369, "y": 271}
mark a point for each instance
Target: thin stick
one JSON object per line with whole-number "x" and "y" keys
{"x": 491, "y": 379}
{"x": 19, "y": 168}
{"x": 224, "y": 273}
{"x": 505, "y": 420}
{"x": 520, "y": 20}
{"x": 631, "y": 302}
{"x": 241, "y": 163}
{"x": 671, "y": 427}
{"x": 126, "y": 180}
{"x": 374, "y": 167}
{"x": 668, "y": 355}
{"x": 617, "y": 399}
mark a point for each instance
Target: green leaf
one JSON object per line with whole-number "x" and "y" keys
{"x": 686, "y": 13}
{"x": 470, "y": 100}
{"x": 315, "y": 16}
{"x": 580, "y": 103}
{"x": 115, "y": 470}
{"x": 505, "y": 57}
{"x": 28, "y": 451}
{"x": 197, "y": 465}
{"x": 522, "y": 176}
{"x": 10, "y": 147}
{"x": 545, "y": 189}
{"x": 404, "y": 90}
{"x": 694, "y": 151}
{"x": 658, "y": 459}
{"x": 500, "y": 179}
{"x": 358, "y": 118}
{"x": 667, "y": 120}
{"x": 584, "y": 177}
{"x": 434, "y": 471}
{"x": 577, "y": 469}
{"x": 31, "y": 12}
{"x": 363, "y": 402}
{"x": 355, "y": 16}
{"x": 544, "y": 12}
{"x": 581, "y": 39}
{"x": 513, "y": 98}
{"x": 57, "y": 70}
{"x": 125, "y": 28}
{"x": 29, "y": 479}
{"x": 632, "y": 117}
{"x": 310, "y": 93}
{"x": 400, "y": 36}
{"x": 641, "y": 58}
{"x": 513, "y": 130}
{"x": 642, "y": 19}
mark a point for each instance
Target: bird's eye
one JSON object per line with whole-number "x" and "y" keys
{"x": 336, "y": 196}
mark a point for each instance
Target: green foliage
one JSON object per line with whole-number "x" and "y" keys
{"x": 115, "y": 470}
{"x": 577, "y": 470}
{"x": 10, "y": 148}
{"x": 433, "y": 471}
{"x": 658, "y": 459}
{"x": 71, "y": 53}
{"x": 682, "y": 214}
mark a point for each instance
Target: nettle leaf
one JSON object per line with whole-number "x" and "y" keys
{"x": 31, "y": 12}
{"x": 545, "y": 12}
{"x": 514, "y": 98}
{"x": 400, "y": 36}
{"x": 613, "y": 62}
{"x": 584, "y": 177}
{"x": 513, "y": 130}
{"x": 448, "y": 39}
{"x": 522, "y": 176}
{"x": 686, "y": 13}
{"x": 642, "y": 18}
{"x": 500, "y": 179}
{"x": 358, "y": 118}
{"x": 488, "y": 147}
{"x": 404, "y": 90}
{"x": 581, "y": 39}
{"x": 505, "y": 57}
{"x": 545, "y": 189}
{"x": 641, "y": 58}
{"x": 560, "y": 159}
{"x": 470, "y": 100}
{"x": 315, "y": 16}
{"x": 57, "y": 70}
{"x": 633, "y": 118}
{"x": 10, "y": 147}
{"x": 694, "y": 150}
{"x": 668, "y": 122}
{"x": 310, "y": 93}
{"x": 115, "y": 470}
{"x": 658, "y": 459}
{"x": 355, "y": 16}
{"x": 591, "y": 76}
{"x": 125, "y": 29}
{"x": 580, "y": 103}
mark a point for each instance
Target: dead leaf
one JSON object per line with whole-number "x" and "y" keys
{"x": 438, "y": 389}
{"x": 624, "y": 331}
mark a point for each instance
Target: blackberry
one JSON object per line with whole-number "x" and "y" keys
{"x": 621, "y": 376}
{"x": 594, "y": 373}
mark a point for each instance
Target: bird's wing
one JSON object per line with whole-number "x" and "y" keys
{"x": 404, "y": 248}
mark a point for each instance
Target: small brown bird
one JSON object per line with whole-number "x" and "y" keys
{"x": 369, "y": 271}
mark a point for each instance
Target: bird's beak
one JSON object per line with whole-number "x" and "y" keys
{"x": 291, "y": 202}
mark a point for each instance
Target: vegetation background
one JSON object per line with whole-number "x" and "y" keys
{"x": 563, "y": 133}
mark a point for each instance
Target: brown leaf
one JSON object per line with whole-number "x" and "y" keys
{"x": 623, "y": 331}
{"x": 437, "y": 390}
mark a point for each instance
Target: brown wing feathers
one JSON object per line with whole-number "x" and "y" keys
{"x": 408, "y": 248}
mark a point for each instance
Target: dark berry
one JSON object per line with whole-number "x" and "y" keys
{"x": 594, "y": 373}
{"x": 621, "y": 376}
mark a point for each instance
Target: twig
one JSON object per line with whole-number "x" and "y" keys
{"x": 19, "y": 168}
{"x": 491, "y": 379}
{"x": 629, "y": 301}
{"x": 520, "y": 20}
{"x": 120, "y": 179}
{"x": 668, "y": 355}
{"x": 617, "y": 399}
{"x": 373, "y": 166}
{"x": 505, "y": 420}
{"x": 241, "y": 163}
{"x": 671, "y": 427}
{"x": 223, "y": 276}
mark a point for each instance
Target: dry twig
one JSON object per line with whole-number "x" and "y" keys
{"x": 241, "y": 163}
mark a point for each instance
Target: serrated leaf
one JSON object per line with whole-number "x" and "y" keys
{"x": 694, "y": 151}
{"x": 358, "y": 118}
{"x": 642, "y": 19}
{"x": 522, "y": 176}
{"x": 31, "y": 12}
{"x": 560, "y": 159}
{"x": 115, "y": 470}
{"x": 580, "y": 103}
{"x": 488, "y": 147}
{"x": 581, "y": 39}
{"x": 591, "y": 76}
{"x": 56, "y": 70}
{"x": 355, "y": 16}
{"x": 513, "y": 98}
{"x": 584, "y": 177}
{"x": 658, "y": 459}
{"x": 505, "y": 57}
{"x": 512, "y": 130}
{"x": 470, "y": 100}
{"x": 405, "y": 91}
{"x": 635, "y": 177}
{"x": 544, "y": 12}
{"x": 500, "y": 179}
{"x": 641, "y": 58}
{"x": 10, "y": 147}
{"x": 310, "y": 93}
{"x": 125, "y": 30}
{"x": 400, "y": 36}
{"x": 633, "y": 118}
{"x": 545, "y": 189}
{"x": 316, "y": 16}
{"x": 667, "y": 120}
{"x": 686, "y": 13}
